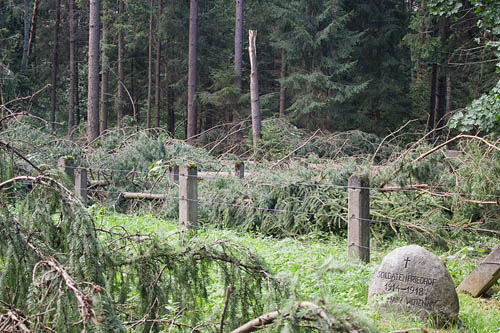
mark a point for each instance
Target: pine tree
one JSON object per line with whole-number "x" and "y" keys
{"x": 383, "y": 62}
{"x": 319, "y": 51}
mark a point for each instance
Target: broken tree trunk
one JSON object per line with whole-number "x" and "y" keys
{"x": 254, "y": 88}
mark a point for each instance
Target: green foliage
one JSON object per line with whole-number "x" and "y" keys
{"x": 319, "y": 50}
{"x": 384, "y": 61}
{"x": 483, "y": 114}
{"x": 280, "y": 138}
{"x": 58, "y": 274}
{"x": 52, "y": 255}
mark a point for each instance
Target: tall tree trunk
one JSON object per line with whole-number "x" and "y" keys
{"x": 440, "y": 103}
{"x": 421, "y": 38}
{"x": 53, "y": 91}
{"x": 448, "y": 93}
{"x": 133, "y": 92}
{"x": 119, "y": 88}
{"x": 193, "y": 44}
{"x": 254, "y": 88}
{"x": 282, "y": 87}
{"x": 78, "y": 113}
{"x": 432, "y": 106}
{"x": 150, "y": 67}
{"x": 238, "y": 51}
{"x": 34, "y": 16}
{"x": 157, "y": 65}
{"x": 93, "y": 81}
{"x": 170, "y": 102}
{"x": 24, "y": 60}
{"x": 103, "y": 115}
{"x": 72, "y": 68}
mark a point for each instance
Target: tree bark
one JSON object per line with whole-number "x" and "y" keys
{"x": 72, "y": 67}
{"x": 440, "y": 102}
{"x": 170, "y": 102}
{"x": 282, "y": 87}
{"x": 254, "y": 88}
{"x": 448, "y": 93}
{"x": 93, "y": 81}
{"x": 103, "y": 115}
{"x": 157, "y": 65}
{"x": 268, "y": 318}
{"x": 53, "y": 90}
{"x": 24, "y": 60}
{"x": 119, "y": 87}
{"x": 150, "y": 66}
{"x": 238, "y": 51}
{"x": 78, "y": 113}
{"x": 193, "y": 44}
{"x": 34, "y": 17}
{"x": 432, "y": 106}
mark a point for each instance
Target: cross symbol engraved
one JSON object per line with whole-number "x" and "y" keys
{"x": 406, "y": 262}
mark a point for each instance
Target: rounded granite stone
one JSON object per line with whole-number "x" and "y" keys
{"x": 413, "y": 280}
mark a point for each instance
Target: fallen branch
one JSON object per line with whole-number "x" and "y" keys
{"x": 223, "y": 315}
{"x": 408, "y": 330}
{"x": 268, "y": 318}
{"x": 296, "y": 149}
{"x": 387, "y": 137}
{"x": 43, "y": 180}
{"x": 84, "y": 302}
{"x": 12, "y": 323}
{"x": 466, "y": 136}
{"x": 6, "y": 145}
{"x": 145, "y": 196}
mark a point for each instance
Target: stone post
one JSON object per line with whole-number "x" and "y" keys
{"x": 81, "y": 184}
{"x": 66, "y": 164}
{"x": 239, "y": 169}
{"x": 173, "y": 174}
{"x": 188, "y": 196}
{"x": 358, "y": 231}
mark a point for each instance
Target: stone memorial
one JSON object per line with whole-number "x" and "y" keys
{"x": 412, "y": 280}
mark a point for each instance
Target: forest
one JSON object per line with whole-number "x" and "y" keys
{"x": 186, "y": 166}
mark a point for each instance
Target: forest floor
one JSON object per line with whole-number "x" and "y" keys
{"x": 319, "y": 271}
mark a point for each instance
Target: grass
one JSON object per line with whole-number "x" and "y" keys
{"x": 319, "y": 271}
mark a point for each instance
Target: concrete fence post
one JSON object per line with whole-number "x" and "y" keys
{"x": 66, "y": 164}
{"x": 358, "y": 230}
{"x": 81, "y": 183}
{"x": 239, "y": 169}
{"x": 173, "y": 174}
{"x": 188, "y": 196}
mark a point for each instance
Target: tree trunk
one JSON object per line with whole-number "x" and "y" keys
{"x": 170, "y": 102}
{"x": 440, "y": 103}
{"x": 34, "y": 16}
{"x": 282, "y": 87}
{"x": 254, "y": 88}
{"x": 238, "y": 51}
{"x": 193, "y": 43}
{"x": 78, "y": 113}
{"x": 432, "y": 106}
{"x": 448, "y": 93}
{"x": 157, "y": 65}
{"x": 119, "y": 86}
{"x": 93, "y": 81}
{"x": 53, "y": 91}
{"x": 150, "y": 67}
{"x": 72, "y": 68}
{"x": 103, "y": 115}
{"x": 133, "y": 92}
{"x": 26, "y": 9}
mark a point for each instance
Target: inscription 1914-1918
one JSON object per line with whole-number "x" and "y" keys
{"x": 413, "y": 280}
